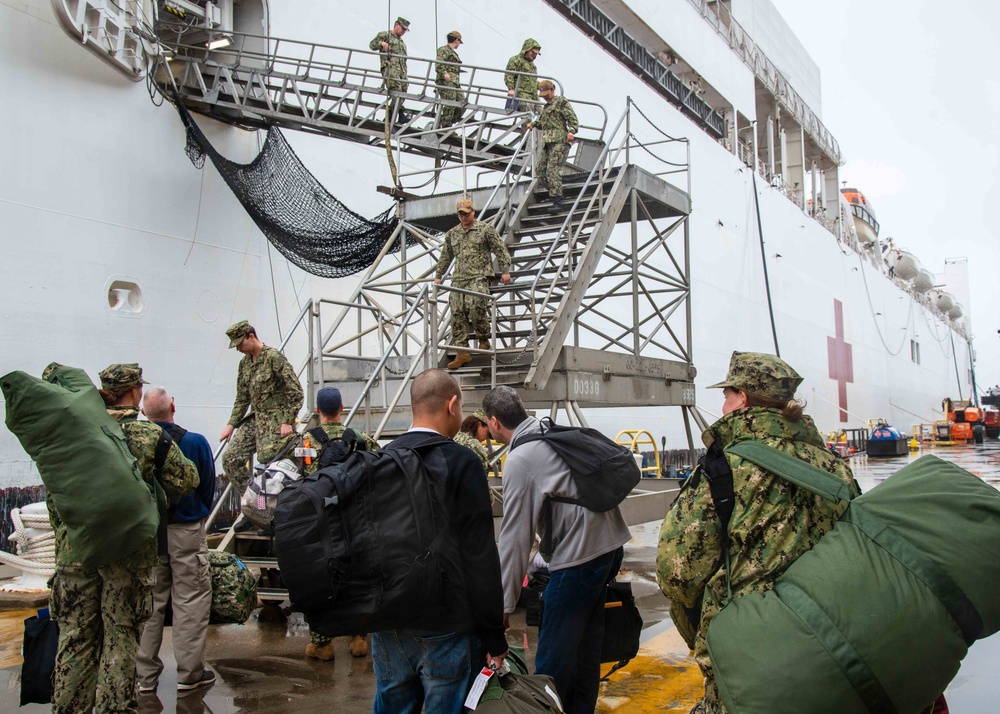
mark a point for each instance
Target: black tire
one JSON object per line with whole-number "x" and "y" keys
{"x": 978, "y": 432}
{"x": 992, "y": 432}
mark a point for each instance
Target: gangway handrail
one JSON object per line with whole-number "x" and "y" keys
{"x": 385, "y": 356}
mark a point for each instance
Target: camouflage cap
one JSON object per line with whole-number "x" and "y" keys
{"x": 237, "y": 332}
{"x": 464, "y": 206}
{"x": 545, "y": 85}
{"x": 761, "y": 374}
{"x": 47, "y": 372}
{"x": 457, "y": 35}
{"x": 480, "y": 415}
{"x": 121, "y": 376}
{"x": 404, "y": 22}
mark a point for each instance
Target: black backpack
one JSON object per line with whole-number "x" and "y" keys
{"x": 604, "y": 472}
{"x": 335, "y": 451}
{"x": 362, "y": 544}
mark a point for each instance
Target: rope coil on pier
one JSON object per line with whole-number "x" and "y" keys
{"x": 36, "y": 554}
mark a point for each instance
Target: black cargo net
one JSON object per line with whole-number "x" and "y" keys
{"x": 301, "y": 219}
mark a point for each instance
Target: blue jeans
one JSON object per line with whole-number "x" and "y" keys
{"x": 569, "y": 643}
{"x": 432, "y": 671}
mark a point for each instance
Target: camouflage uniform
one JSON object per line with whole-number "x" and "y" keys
{"x": 392, "y": 63}
{"x": 556, "y": 121}
{"x": 269, "y": 386}
{"x": 525, "y": 87}
{"x": 773, "y": 521}
{"x": 334, "y": 431}
{"x": 101, "y": 611}
{"x": 476, "y": 445}
{"x": 471, "y": 250}
{"x": 448, "y": 62}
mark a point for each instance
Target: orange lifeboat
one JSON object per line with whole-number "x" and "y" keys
{"x": 864, "y": 215}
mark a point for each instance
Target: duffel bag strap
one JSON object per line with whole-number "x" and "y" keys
{"x": 811, "y": 478}
{"x": 849, "y": 661}
{"x": 947, "y": 591}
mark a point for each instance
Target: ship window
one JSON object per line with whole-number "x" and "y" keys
{"x": 125, "y": 298}
{"x": 914, "y": 351}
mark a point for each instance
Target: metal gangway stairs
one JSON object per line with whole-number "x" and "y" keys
{"x": 259, "y": 81}
{"x": 597, "y": 313}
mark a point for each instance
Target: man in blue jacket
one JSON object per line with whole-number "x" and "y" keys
{"x": 183, "y": 576}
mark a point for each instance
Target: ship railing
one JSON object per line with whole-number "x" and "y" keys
{"x": 719, "y": 16}
{"x": 341, "y": 90}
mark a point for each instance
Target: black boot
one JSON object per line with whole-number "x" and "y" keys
{"x": 557, "y": 205}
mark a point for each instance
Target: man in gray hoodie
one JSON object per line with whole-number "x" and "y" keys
{"x": 583, "y": 549}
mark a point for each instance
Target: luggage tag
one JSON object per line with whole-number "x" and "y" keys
{"x": 303, "y": 451}
{"x": 478, "y": 687}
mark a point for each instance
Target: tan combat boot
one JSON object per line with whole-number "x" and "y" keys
{"x": 322, "y": 652}
{"x": 359, "y": 645}
{"x": 484, "y": 344}
{"x": 460, "y": 359}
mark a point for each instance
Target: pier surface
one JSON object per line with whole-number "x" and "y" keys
{"x": 262, "y": 668}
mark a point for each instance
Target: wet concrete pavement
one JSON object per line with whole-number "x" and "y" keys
{"x": 261, "y": 666}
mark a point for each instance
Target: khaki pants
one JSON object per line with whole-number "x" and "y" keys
{"x": 183, "y": 578}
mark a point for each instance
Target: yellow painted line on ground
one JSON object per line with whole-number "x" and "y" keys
{"x": 11, "y": 636}
{"x": 662, "y": 678}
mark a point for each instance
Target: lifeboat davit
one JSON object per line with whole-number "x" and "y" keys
{"x": 923, "y": 281}
{"x": 905, "y": 266}
{"x": 864, "y": 215}
{"x": 942, "y": 301}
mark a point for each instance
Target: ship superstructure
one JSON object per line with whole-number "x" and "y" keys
{"x": 129, "y": 253}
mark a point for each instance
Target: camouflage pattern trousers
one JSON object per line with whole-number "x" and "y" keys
{"x": 470, "y": 309}
{"x": 260, "y": 434}
{"x": 549, "y": 166}
{"x": 100, "y": 613}
{"x": 450, "y": 115}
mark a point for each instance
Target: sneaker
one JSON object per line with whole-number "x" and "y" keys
{"x": 207, "y": 680}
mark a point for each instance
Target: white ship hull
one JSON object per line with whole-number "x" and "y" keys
{"x": 96, "y": 188}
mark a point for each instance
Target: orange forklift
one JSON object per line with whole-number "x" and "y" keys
{"x": 968, "y": 422}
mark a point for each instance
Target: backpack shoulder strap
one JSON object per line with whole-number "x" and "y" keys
{"x": 176, "y": 433}
{"x": 160, "y": 453}
{"x": 319, "y": 435}
{"x": 796, "y": 471}
{"x": 715, "y": 467}
{"x": 546, "y": 424}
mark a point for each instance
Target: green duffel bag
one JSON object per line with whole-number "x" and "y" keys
{"x": 84, "y": 461}
{"x": 234, "y": 589}
{"x": 517, "y": 692}
{"x": 879, "y": 614}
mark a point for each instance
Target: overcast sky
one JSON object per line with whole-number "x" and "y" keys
{"x": 912, "y": 94}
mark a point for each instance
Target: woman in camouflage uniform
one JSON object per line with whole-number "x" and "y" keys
{"x": 100, "y": 611}
{"x": 773, "y": 522}
{"x": 473, "y": 433}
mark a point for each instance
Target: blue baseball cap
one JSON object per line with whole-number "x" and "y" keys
{"x": 328, "y": 400}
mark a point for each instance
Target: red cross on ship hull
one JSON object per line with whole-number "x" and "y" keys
{"x": 841, "y": 359}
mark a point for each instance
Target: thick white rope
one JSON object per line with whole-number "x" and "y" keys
{"x": 34, "y": 555}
